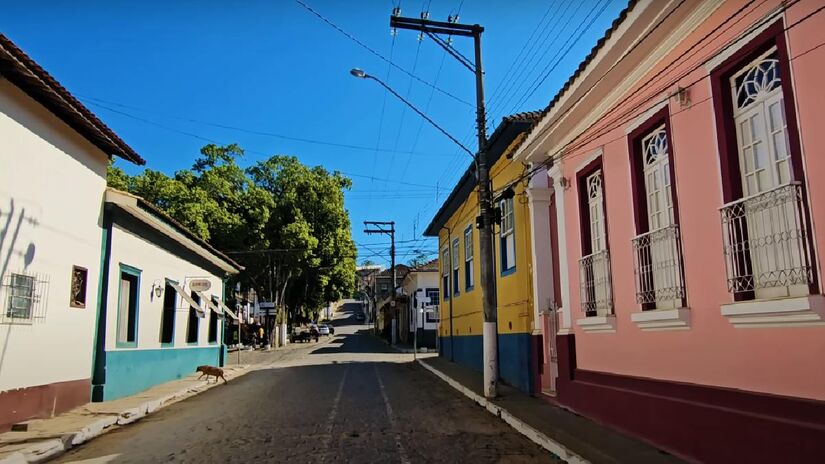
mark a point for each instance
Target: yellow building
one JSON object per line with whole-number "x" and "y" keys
{"x": 461, "y": 308}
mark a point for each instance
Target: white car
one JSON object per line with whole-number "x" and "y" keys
{"x": 323, "y": 329}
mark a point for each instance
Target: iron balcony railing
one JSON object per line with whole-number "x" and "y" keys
{"x": 596, "y": 288}
{"x": 658, "y": 268}
{"x": 766, "y": 242}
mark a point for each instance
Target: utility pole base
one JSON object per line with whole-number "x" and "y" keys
{"x": 490, "y": 346}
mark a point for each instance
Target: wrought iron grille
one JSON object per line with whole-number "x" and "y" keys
{"x": 596, "y": 288}
{"x": 766, "y": 241}
{"x": 25, "y": 297}
{"x": 658, "y": 266}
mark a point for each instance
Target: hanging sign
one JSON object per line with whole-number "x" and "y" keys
{"x": 199, "y": 285}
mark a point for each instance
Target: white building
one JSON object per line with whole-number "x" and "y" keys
{"x": 421, "y": 286}
{"x": 163, "y": 314}
{"x": 53, "y": 158}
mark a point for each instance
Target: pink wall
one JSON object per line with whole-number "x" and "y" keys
{"x": 785, "y": 361}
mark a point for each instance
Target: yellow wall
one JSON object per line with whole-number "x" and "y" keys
{"x": 514, "y": 291}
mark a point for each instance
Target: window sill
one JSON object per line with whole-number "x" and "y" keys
{"x": 598, "y": 324}
{"x": 507, "y": 272}
{"x": 125, "y": 344}
{"x": 662, "y": 319}
{"x": 167, "y": 345}
{"x": 780, "y": 312}
{"x": 469, "y": 289}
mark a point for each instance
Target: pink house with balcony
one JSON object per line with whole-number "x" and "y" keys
{"x": 678, "y": 262}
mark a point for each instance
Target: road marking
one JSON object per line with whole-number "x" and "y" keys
{"x": 401, "y": 453}
{"x": 332, "y": 413}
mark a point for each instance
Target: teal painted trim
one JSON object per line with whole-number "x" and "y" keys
{"x": 132, "y": 371}
{"x": 131, "y": 270}
{"x": 174, "y": 310}
{"x": 99, "y": 347}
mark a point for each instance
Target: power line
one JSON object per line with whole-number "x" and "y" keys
{"x": 506, "y": 98}
{"x": 206, "y": 139}
{"x": 382, "y": 57}
{"x": 565, "y": 151}
{"x": 523, "y": 54}
{"x": 552, "y": 68}
{"x": 404, "y": 110}
{"x": 381, "y": 118}
{"x": 101, "y": 103}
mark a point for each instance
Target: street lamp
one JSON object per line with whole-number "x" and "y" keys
{"x": 359, "y": 73}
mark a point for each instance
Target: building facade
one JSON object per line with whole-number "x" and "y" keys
{"x": 52, "y": 181}
{"x": 681, "y": 162}
{"x": 162, "y": 310}
{"x": 420, "y": 311}
{"x": 461, "y": 311}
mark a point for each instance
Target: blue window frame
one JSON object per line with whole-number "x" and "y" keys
{"x": 469, "y": 277}
{"x": 445, "y": 273}
{"x": 455, "y": 258}
{"x": 167, "y": 321}
{"x": 507, "y": 238}
{"x": 128, "y": 307}
{"x": 193, "y": 325}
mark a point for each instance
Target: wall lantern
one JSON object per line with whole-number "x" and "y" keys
{"x": 157, "y": 289}
{"x": 682, "y": 96}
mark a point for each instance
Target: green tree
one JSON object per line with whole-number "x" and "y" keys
{"x": 287, "y": 221}
{"x": 419, "y": 260}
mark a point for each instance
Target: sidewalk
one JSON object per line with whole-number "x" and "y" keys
{"x": 571, "y": 437}
{"x": 48, "y": 438}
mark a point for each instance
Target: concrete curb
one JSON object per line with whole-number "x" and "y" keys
{"x": 46, "y": 450}
{"x": 521, "y": 427}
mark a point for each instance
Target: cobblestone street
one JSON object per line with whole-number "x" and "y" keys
{"x": 351, "y": 399}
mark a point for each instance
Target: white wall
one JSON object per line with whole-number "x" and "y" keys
{"x": 51, "y": 190}
{"x": 421, "y": 280}
{"x": 156, "y": 265}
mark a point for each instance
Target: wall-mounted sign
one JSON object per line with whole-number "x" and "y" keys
{"x": 199, "y": 285}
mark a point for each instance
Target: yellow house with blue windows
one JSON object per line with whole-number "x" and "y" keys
{"x": 461, "y": 307}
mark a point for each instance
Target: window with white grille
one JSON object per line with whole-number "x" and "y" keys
{"x": 25, "y": 297}
{"x": 594, "y": 266}
{"x": 767, "y": 248}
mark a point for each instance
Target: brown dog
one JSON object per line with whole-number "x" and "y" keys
{"x": 211, "y": 371}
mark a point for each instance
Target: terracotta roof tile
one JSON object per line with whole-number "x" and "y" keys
{"x": 26, "y": 74}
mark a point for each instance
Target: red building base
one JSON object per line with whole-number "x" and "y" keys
{"x": 42, "y": 401}
{"x": 697, "y": 422}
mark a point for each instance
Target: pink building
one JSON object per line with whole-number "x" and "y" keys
{"x": 678, "y": 264}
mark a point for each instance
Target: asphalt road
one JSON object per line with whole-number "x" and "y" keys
{"x": 351, "y": 399}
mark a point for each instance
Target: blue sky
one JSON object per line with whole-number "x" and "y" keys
{"x": 169, "y": 77}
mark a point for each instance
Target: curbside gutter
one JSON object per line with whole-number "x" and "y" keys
{"x": 42, "y": 451}
{"x": 531, "y": 433}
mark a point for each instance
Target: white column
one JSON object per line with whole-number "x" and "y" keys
{"x": 564, "y": 277}
{"x": 540, "y": 196}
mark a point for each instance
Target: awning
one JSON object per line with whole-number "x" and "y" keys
{"x": 211, "y": 305}
{"x": 225, "y": 308}
{"x": 198, "y": 309}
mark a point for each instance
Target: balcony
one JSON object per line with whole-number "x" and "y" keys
{"x": 596, "y": 293}
{"x": 658, "y": 268}
{"x": 768, "y": 259}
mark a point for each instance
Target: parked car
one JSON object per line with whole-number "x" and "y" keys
{"x": 323, "y": 329}
{"x": 360, "y": 317}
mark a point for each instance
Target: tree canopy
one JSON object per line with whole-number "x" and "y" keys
{"x": 284, "y": 221}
